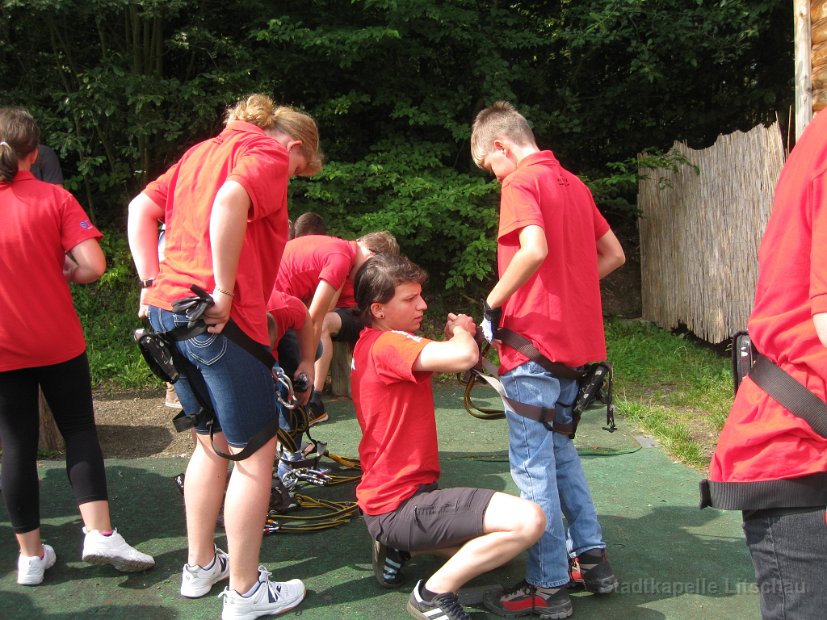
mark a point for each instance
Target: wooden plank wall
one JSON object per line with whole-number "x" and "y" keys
{"x": 699, "y": 232}
{"x": 818, "y": 53}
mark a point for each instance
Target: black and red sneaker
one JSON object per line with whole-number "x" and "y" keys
{"x": 592, "y": 571}
{"x": 525, "y": 599}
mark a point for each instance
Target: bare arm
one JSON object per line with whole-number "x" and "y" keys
{"x": 86, "y": 264}
{"x": 142, "y": 232}
{"x": 610, "y": 254}
{"x": 324, "y": 300}
{"x": 228, "y": 225}
{"x": 820, "y": 321}
{"x": 533, "y": 251}
{"x": 307, "y": 357}
{"x": 457, "y": 354}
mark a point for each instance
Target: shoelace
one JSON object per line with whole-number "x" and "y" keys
{"x": 263, "y": 577}
{"x": 449, "y": 604}
{"x": 521, "y": 588}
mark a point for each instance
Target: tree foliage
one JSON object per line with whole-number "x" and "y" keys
{"x": 122, "y": 87}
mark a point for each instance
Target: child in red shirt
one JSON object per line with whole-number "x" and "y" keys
{"x": 319, "y": 269}
{"x": 478, "y": 529}
{"x": 47, "y": 241}
{"x": 552, "y": 248}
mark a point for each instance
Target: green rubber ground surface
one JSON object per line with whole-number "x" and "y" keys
{"x": 673, "y": 560}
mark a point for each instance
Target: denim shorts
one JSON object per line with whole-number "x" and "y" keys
{"x": 433, "y": 519}
{"x": 239, "y": 387}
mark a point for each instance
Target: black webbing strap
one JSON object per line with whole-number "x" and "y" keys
{"x": 523, "y": 345}
{"x": 182, "y": 421}
{"x": 543, "y": 415}
{"x": 790, "y": 394}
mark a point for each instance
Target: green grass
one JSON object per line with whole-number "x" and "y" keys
{"x": 671, "y": 387}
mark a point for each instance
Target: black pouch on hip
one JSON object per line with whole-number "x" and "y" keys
{"x": 157, "y": 352}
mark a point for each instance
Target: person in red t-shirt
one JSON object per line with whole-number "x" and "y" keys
{"x": 46, "y": 241}
{"x": 224, "y": 204}
{"x": 318, "y": 269}
{"x": 769, "y": 462}
{"x": 287, "y": 314}
{"x": 404, "y": 510}
{"x": 552, "y": 248}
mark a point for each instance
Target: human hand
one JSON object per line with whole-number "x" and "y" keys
{"x": 303, "y": 396}
{"x": 218, "y": 314}
{"x": 143, "y": 307}
{"x": 490, "y": 321}
{"x": 459, "y": 320}
{"x": 69, "y": 267}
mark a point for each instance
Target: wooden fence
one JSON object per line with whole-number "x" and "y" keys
{"x": 700, "y": 231}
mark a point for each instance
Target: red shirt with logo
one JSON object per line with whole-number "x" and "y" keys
{"x": 39, "y": 223}
{"x": 395, "y": 409}
{"x": 559, "y": 307}
{"x": 243, "y": 153}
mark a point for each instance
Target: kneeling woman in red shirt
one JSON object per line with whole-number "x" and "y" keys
{"x": 405, "y": 511}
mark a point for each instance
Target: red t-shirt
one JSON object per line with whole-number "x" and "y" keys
{"x": 395, "y": 409}
{"x": 39, "y": 223}
{"x": 761, "y": 440}
{"x": 289, "y": 313}
{"x": 310, "y": 259}
{"x": 241, "y": 153}
{"x": 348, "y": 298}
{"x": 559, "y": 307}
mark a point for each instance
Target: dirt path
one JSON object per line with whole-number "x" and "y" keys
{"x": 138, "y": 424}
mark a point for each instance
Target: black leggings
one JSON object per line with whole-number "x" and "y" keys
{"x": 67, "y": 388}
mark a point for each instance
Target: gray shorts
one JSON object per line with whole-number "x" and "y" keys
{"x": 432, "y": 519}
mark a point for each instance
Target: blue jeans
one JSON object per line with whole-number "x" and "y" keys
{"x": 239, "y": 387}
{"x": 547, "y": 469}
{"x": 789, "y": 552}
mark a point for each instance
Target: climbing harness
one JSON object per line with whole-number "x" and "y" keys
{"x": 594, "y": 382}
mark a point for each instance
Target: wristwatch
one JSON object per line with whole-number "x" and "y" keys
{"x": 147, "y": 283}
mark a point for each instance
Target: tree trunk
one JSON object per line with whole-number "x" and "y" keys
{"x": 50, "y": 438}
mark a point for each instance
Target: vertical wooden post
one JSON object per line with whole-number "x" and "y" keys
{"x": 340, "y": 369}
{"x": 803, "y": 66}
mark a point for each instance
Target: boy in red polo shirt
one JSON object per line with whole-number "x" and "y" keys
{"x": 553, "y": 246}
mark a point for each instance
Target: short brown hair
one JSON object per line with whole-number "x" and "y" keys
{"x": 381, "y": 242}
{"x": 377, "y": 279}
{"x": 501, "y": 120}
{"x": 309, "y": 224}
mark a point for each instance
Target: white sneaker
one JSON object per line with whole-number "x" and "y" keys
{"x": 30, "y": 570}
{"x": 113, "y": 549}
{"x": 197, "y": 581}
{"x": 269, "y": 598}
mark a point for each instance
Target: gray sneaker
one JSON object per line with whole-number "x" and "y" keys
{"x": 444, "y": 606}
